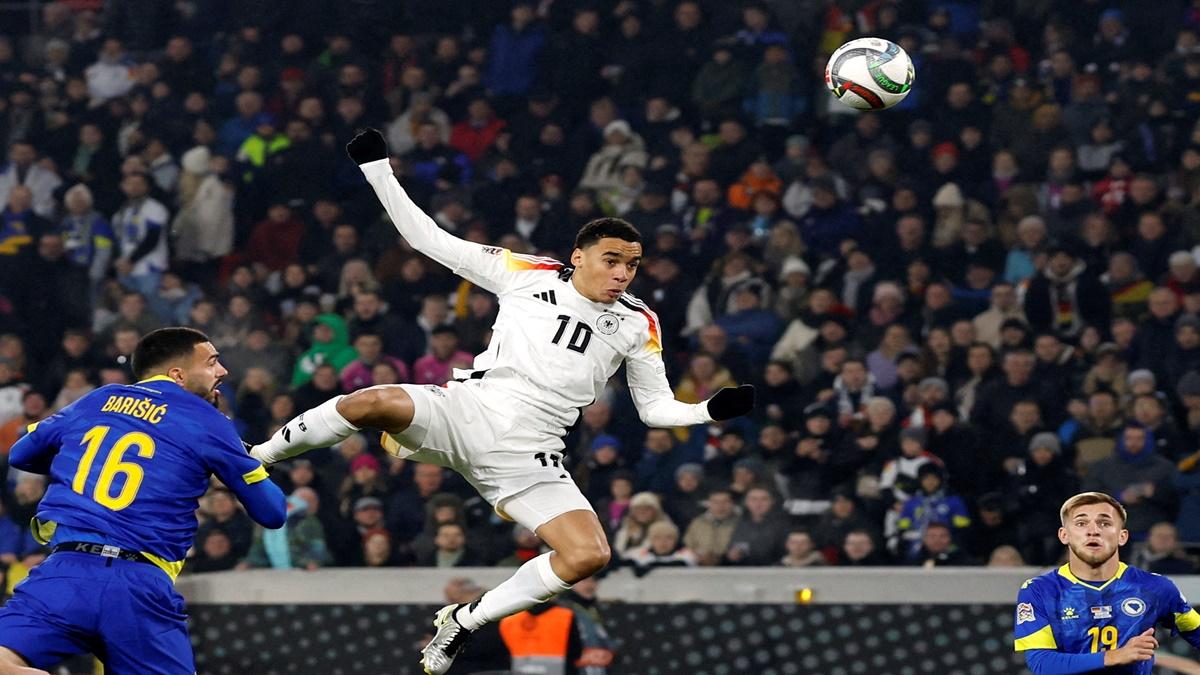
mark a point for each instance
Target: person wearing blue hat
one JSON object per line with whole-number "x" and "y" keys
{"x": 595, "y": 475}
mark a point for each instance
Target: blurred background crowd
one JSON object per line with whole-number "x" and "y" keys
{"x": 958, "y": 312}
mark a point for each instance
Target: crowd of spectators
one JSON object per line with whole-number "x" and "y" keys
{"x": 958, "y": 312}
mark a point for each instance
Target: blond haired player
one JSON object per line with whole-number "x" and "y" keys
{"x": 561, "y": 333}
{"x": 1096, "y": 612}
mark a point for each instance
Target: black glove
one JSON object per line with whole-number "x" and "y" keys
{"x": 731, "y": 402}
{"x": 367, "y": 146}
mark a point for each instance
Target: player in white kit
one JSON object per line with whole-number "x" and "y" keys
{"x": 561, "y": 333}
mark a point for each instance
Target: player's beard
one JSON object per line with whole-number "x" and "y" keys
{"x": 1093, "y": 557}
{"x": 208, "y": 393}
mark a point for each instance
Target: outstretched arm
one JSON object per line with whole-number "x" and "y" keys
{"x": 490, "y": 267}
{"x": 225, "y": 456}
{"x": 655, "y": 402}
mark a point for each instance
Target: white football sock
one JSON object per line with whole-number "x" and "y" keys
{"x": 320, "y": 427}
{"x": 533, "y": 583}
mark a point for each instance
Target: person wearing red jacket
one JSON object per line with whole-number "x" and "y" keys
{"x": 275, "y": 242}
{"x": 474, "y": 135}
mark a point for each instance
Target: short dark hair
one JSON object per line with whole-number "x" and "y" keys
{"x": 601, "y": 228}
{"x": 720, "y": 491}
{"x": 165, "y": 344}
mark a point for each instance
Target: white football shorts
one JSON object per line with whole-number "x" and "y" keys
{"x": 518, "y": 470}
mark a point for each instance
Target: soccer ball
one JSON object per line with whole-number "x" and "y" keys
{"x": 869, "y": 74}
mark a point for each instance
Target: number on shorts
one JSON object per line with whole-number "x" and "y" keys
{"x": 554, "y": 459}
{"x": 580, "y": 338}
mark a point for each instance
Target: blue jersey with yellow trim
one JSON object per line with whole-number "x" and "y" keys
{"x": 131, "y": 462}
{"x": 1061, "y": 613}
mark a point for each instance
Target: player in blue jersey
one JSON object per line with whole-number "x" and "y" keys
{"x": 1096, "y": 612}
{"x": 127, "y": 465}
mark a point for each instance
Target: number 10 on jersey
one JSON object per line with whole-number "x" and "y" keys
{"x": 579, "y": 339}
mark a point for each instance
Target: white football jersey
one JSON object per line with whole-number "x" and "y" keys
{"x": 552, "y": 350}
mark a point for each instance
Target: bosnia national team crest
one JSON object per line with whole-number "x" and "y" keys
{"x": 607, "y": 323}
{"x": 1102, "y": 612}
{"x": 1133, "y": 607}
{"x": 1024, "y": 613}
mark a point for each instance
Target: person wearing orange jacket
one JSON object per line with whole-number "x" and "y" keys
{"x": 565, "y": 637}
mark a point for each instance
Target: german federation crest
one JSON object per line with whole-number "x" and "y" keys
{"x": 607, "y": 323}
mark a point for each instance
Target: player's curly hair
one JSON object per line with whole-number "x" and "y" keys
{"x": 601, "y": 228}
{"x": 1087, "y": 499}
{"x": 163, "y": 345}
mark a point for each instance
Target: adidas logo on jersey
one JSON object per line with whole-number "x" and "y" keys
{"x": 546, "y": 296}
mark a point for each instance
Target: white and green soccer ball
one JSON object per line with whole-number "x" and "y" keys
{"x": 869, "y": 74}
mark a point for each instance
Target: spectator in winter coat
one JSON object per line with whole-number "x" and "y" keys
{"x": 87, "y": 235}
{"x": 357, "y": 374}
{"x": 1066, "y": 296}
{"x": 939, "y": 550}
{"x": 843, "y": 517}
{"x": 111, "y": 76}
{"x": 900, "y": 477}
{"x": 1140, "y": 478}
{"x": 476, "y": 134}
{"x": 141, "y": 228}
{"x": 1155, "y": 337}
{"x": 433, "y": 165}
{"x": 801, "y": 551}
{"x": 20, "y": 227}
{"x": 203, "y": 228}
{"x": 645, "y": 509}
{"x": 752, "y": 327}
{"x": 662, "y": 455}
{"x": 1020, "y": 264}
{"x": 685, "y": 502}
{"x": 275, "y": 242}
{"x": 512, "y": 65}
{"x": 858, "y": 549}
{"x": 1161, "y": 553}
{"x": 662, "y": 550}
{"x": 930, "y": 505}
{"x": 866, "y": 447}
{"x": 852, "y": 389}
{"x": 995, "y": 400}
{"x": 330, "y": 345}
{"x": 299, "y": 544}
{"x": 708, "y": 535}
{"x": 402, "y": 131}
{"x": 758, "y": 538}
{"x": 443, "y": 358}
{"x": 1187, "y": 486}
{"x": 1004, "y": 306}
{"x": 596, "y": 474}
{"x": 23, "y": 169}
{"x": 830, "y": 221}
{"x": 621, "y": 148}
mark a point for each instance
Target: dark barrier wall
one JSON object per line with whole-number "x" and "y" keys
{"x": 679, "y": 639}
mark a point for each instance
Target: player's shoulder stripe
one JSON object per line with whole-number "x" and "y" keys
{"x": 637, "y": 306}
{"x": 630, "y": 302}
{"x": 635, "y": 301}
{"x": 530, "y": 256}
{"x": 521, "y": 262}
